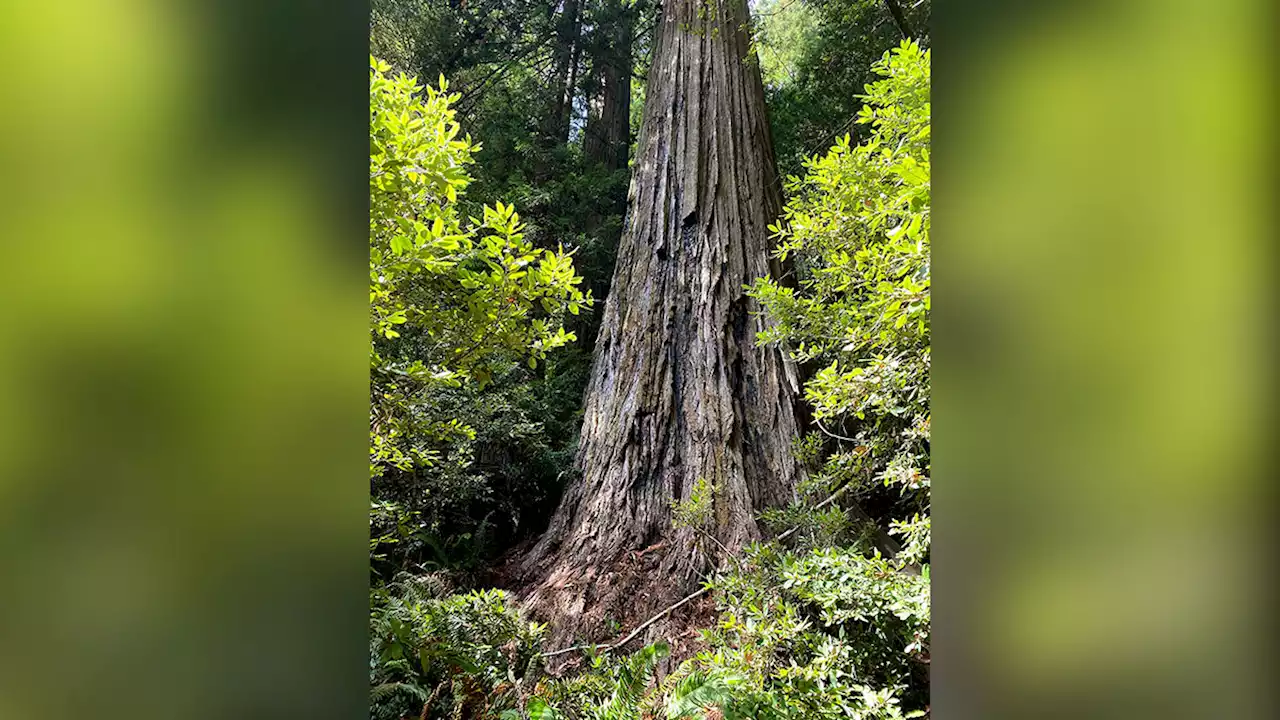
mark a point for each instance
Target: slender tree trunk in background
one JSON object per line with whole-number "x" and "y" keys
{"x": 564, "y": 67}
{"x": 607, "y": 137}
{"x": 554, "y": 129}
{"x": 571, "y": 89}
{"x": 899, "y": 18}
{"x": 679, "y": 390}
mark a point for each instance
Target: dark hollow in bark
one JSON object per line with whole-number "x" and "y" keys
{"x": 679, "y": 390}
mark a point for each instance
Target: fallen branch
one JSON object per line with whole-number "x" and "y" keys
{"x": 884, "y": 541}
{"x": 634, "y": 633}
{"x": 664, "y": 613}
{"x": 819, "y": 506}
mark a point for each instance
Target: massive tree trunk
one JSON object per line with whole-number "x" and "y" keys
{"x": 679, "y": 390}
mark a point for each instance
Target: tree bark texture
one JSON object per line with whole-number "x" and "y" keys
{"x": 679, "y": 389}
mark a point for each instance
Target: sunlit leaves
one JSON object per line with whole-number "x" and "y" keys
{"x": 450, "y": 296}
{"x": 857, "y": 231}
{"x": 857, "y": 234}
{"x": 823, "y": 634}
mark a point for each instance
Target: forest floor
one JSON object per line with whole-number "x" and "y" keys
{"x": 679, "y": 628}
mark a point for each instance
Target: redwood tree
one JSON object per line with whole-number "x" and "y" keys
{"x": 607, "y": 134}
{"x": 567, "y": 45}
{"x": 679, "y": 389}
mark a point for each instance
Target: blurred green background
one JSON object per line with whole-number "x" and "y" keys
{"x": 183, "y": 370}
{"x": 183, "y": 359}
{"x": 1103, "y": 368}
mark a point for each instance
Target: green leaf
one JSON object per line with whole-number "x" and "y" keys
{"x": 538, "y": 709}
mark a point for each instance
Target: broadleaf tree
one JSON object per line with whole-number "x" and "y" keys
{"x": 452, "y": 297}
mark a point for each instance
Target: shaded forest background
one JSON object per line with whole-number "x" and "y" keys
{"x": 543, "y": 102}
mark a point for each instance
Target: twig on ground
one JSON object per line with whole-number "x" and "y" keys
{"x": 634, "y": 633}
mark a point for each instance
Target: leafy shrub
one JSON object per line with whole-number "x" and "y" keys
{"x": 449, "y": 297}
{"x": 858, "y": 233}
{"x": 827, "y": 633}
{"x": 455, "y": 302}
{"x": 444, "y": 656}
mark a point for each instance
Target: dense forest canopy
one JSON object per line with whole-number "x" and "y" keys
{"x": 649, "y": 355}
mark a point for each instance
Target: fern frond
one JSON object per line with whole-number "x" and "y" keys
{"x": 386, "y": 690}
{"x": 698, "y": 691}
{"x": 633, "y": 677}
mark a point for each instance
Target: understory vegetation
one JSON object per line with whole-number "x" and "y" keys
{"x": 492, "y": 244}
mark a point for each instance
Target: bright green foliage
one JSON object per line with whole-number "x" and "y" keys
{"x": 816, "y": 55}
{"x": 823, "y": 634}
{"x": 696, "y": 510}
{"x": 448, "y": 652}
{"x": 838, "y": 631}
{"x": 858, "y": 233}
{"x": 469, "y": 291}
{"x": 452, "y": 299}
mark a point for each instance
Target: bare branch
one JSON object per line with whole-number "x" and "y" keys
{"x": 637, "y": 631}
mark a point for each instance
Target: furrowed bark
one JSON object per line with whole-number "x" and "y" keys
{"x": 679, "y": 390}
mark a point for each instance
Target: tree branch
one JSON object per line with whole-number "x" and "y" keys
{"x": 634, "y": 633}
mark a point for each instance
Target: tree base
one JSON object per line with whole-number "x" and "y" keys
{"x": 601, "y": 603}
